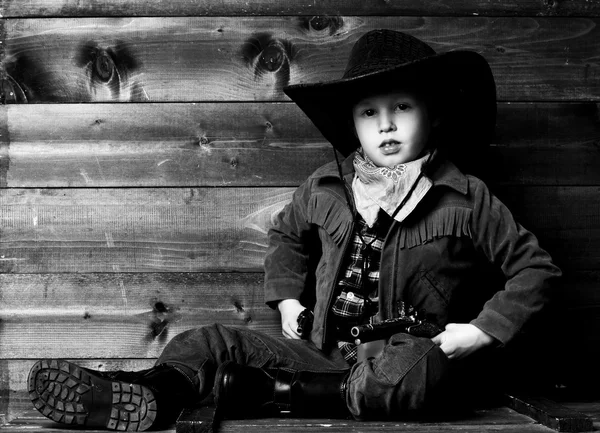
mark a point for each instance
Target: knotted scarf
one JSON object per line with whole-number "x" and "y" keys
{"x": 384, "y": 188}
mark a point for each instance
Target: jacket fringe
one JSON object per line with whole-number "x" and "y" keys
{"x": 447, "y": 221}
{"x": 326, "y": 212}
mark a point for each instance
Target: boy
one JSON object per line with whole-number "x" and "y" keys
{"x": 393, "y": 230}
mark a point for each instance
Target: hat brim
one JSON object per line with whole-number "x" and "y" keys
{"x": 470, "y": 114}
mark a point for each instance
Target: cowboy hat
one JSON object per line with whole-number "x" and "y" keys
{"x": 461, "y": 82}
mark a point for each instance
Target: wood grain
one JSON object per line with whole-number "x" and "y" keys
{"x": 112, "y": 337}
{"x": 217, "y": 229}
{"x": 493, "y": 419}
{"x": 65, "y": 8}
{"x": 252, "y": 58}
{"x": 122, "y": 315}
{"x": 209, "y": 144}
{"x": 137, "y": 230}
{"x": 256, "y": 144}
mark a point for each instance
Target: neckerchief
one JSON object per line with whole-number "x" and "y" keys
{"x": 383, "y": 187}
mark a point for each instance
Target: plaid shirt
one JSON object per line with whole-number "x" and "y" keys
{"x": 358, "y": 286}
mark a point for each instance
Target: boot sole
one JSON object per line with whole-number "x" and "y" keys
{"x": 69, "y": 394}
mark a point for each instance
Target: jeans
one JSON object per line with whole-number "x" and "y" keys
{"x": 405, "y": 378}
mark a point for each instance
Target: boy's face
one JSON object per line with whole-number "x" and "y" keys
{"x": 393, "y": 128}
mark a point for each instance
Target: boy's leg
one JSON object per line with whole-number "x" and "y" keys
{"x": 406, "y": 378}
{"x": 203, "y": 349}
{"x": 183, "y": 375}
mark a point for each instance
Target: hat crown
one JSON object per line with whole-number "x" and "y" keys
{"x": 382, "y": 49}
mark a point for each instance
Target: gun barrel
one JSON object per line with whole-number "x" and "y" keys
{"x": 382, "y": 330}
{"x": 387, "y": 328}
{"x": 378, "y": 331}
{"x": 355, "y": 331}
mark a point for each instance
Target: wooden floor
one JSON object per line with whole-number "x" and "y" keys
{"x": 501, "y": 419}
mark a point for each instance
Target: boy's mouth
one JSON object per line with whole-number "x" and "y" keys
{"x": 389, "y": 147}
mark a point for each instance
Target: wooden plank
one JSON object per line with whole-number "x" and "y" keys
{"x": 551, "y": 414}
{"x": 137, "y": 230}
{"x": 4, "y": 146}
{"x": 32, "y": 421}
{"x": 146, "y": 309}
{"x": 112, "y": 336}
{"x": 293, "y": 425}
{"x": 232, "y": 144}
{"x": 200, "y": 420}
{"x": 268, "y": 144}
{"x": 64, "y": 8}
{"x": 156, "y": 294}
{"x": 35, "y": 422}
{"x": 209, "y": 59}
{"x": 122, "y": 315}
{"x": 216, "y": 229}
{"x": 270, "y": 425}
{"x": 587, "y": 406}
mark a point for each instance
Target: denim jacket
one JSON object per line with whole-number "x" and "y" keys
{"x": 459, "y": 255}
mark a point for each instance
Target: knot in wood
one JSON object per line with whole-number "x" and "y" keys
{"x": 160, "y": 307}
{"x": 319, "y": 22}
{"x": 272, "y": 57}
{"x": 11, "y": 91}
{"x": 104, "y": 66}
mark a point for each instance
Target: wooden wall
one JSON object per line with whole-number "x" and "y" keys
{"x": 146, "y": 145}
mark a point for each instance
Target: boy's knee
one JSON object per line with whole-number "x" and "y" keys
{"x": 406, "y": 357}
{"x": 406, "y": 378}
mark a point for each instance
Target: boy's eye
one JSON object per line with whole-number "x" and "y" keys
{"x": 402, "y": 107}
{"x": 369, "y": 112}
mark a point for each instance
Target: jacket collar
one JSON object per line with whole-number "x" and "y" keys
{"x": 445, "y": 174}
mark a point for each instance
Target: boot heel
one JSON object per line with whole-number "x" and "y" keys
{"x": 69, "y": 394}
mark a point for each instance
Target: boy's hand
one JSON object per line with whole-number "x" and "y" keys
{"x": 290, "y": 309}
{"x": 461, "y": 339}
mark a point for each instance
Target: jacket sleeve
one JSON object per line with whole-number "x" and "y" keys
{"x": 287, "y": 257}
{"x": 528, "y": 269}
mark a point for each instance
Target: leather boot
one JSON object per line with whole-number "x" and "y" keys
{"x": 131, "y": 401}
{"x": 248, "y": 392}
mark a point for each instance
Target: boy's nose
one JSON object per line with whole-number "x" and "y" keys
{"x": 386, "y": 124}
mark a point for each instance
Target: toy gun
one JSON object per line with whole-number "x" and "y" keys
{"x": 413, "y": 325}
{"x": 305, "y": 322}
